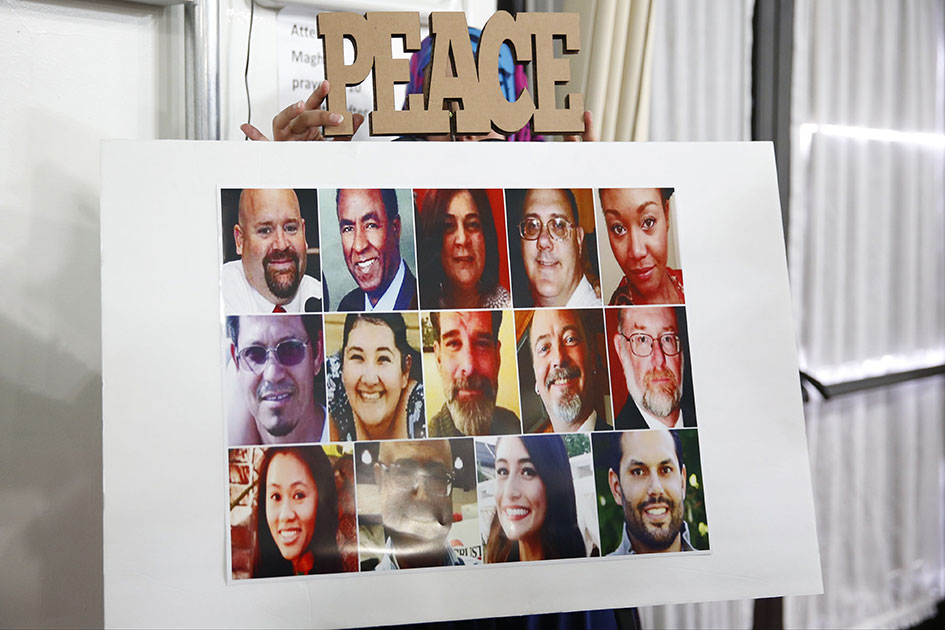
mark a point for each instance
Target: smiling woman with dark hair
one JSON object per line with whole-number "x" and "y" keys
{"x": 296, "y": 514}
{"x": 459, "y": 225}
{"x": 536, "y": 515}
{"x": 375, "y": 388}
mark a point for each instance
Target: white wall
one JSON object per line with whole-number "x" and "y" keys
{"x": 72, "y": 73}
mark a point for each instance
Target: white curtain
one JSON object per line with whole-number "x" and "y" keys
{"x": 701, "y": 71}
{"x": 867, "y": 267}
{"x": 613, "y": 69}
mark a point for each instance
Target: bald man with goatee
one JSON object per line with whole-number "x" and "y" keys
{"x": 270, "y": 240}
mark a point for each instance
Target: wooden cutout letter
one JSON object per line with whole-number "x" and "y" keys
{"x": 506, "y": 117}
{"x": 550, "y": 71}
{"x": 332, "y": 29}
{"x": 386, "y": 120}
{"x": 452, "y": 51}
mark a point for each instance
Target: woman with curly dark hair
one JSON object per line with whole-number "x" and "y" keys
{"x": 296, "y": 514}
{"x": 461, "y": 266}
{"x": 536, "y": 515}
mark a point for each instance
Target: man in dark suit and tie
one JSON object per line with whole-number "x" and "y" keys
{"x": 650, "y": 342}
{"x": 369, "y": 221}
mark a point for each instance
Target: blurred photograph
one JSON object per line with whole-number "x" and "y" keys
{"x": 536, "y": 498}
{"x": 471, "y": 270}
{"x": 650, "y": 492}
{"x": 291, "y": 511}
{"x": 562, "y": 370}
{"x": 640, "y": 266}
{"x": 417, "y": 504}
{"x": 270, "y": 251}
{"x": 273, "y": 380}
{"x": 374, "y": 376}
{"x": 473, "y": 354}
{"x": 369, "y": 249}
{"x": 553, "y": 248}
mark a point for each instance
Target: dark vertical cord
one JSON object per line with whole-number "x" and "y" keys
{"x": 249, "y": 41}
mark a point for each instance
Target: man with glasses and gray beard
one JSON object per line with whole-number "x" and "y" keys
{"x": 564, "y": 372}
{"x": 466, "y": 348}
{"x": 651, "y": 344}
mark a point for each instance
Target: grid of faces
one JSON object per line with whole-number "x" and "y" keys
{"x": 419, "y": 378}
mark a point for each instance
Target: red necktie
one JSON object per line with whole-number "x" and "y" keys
{"x": 278, "y": 309}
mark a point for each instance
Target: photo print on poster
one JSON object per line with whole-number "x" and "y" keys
{"x": 553, "y": 247}
{"x": 368, "y": 238}
{"x": 650, "y": 492}
{"x": 639, "y": 257}
{"x": 537, "y": 498}
{"x": 417, "y": 504}
{"x": 271, "y": 254}
{"x": 374, "y": 376}
{"x": 292, "y": 511}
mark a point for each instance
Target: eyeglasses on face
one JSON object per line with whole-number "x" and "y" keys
{"x": 559, "y": 228}
{"x": 407, "y": 476}
{"x": 641, "y": 344}
{"x": 287, "y": 353}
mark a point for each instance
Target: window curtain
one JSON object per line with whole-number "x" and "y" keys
{"x": 702, "y": 71}
{"x": 613, "y": 69}
{"x": 866, "y": 255}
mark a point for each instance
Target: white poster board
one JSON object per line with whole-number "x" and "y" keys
{"x": 166, "y": 542}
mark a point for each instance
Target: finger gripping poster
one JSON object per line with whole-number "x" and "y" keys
{"x": 511, "y": 365}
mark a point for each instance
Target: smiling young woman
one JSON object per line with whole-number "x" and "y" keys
{"x": 536, "y": 517}
{"x": 296, "y": 514}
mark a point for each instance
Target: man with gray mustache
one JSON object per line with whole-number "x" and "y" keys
{"x": 466, "y": 348}
{"x": 651, "y": 346}
{"x": 561, "y": 357}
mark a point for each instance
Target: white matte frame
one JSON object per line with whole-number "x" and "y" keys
{"x": 165, "y": 480}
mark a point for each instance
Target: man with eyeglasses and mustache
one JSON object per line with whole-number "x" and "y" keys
{"x": 415, "y": 481}
{"x": 650, "y": 344}
{"x": 552, "y": 244}
{"x": 466, "y": 348}
{"x": 275, "y": 361}
{"x": 270, "y": 275}
{"x": 563, "y": 361}
{"x": 647, "y": 478}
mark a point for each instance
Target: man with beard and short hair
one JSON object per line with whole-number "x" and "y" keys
{"x": 415, "y": 482}
{"x": 276, "y": 361}
{"x": 649, "y": 483}
{"x": 466, "y": 348}
{"x": 649, "y": 343}
{"x": 564, "y": 372}
{"x": 270, "y": 275}
{"x": 370, "y": 225}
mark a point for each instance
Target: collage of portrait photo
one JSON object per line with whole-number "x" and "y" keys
{"x": 418, "y": 378}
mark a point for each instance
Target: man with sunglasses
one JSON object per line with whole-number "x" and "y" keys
{"x": 552, "y": 242}
{"x": 275, "y": 361}
{"x": 415, "y": 482}
{"x": 650, "y": 344}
